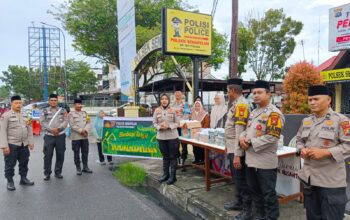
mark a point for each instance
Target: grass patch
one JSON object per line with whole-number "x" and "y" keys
{"x": 130, "y": 175}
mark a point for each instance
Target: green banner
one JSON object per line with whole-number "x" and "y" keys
{"x": 130, "y": 137}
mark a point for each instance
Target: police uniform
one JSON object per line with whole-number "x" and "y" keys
{"x": 325, "y": 180}
{"x": 54, "y": 118}
{"x": 168, "y": 141}
{"x": 263, "y": 132}
{"x": 79, "y": 121}
{"x": 16, "y": 133}
{"x": 180, "y": 108}
{"x": 237, "y": 118}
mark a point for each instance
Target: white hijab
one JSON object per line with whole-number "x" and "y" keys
{"x": 218, "y": 111}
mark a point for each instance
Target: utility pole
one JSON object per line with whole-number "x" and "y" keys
{"x": 234, "y": 41}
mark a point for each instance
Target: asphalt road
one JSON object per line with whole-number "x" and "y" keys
{"x": 90, "y": 196}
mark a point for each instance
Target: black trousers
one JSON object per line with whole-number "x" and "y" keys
{"x": 240, "y": 180}
{"x": 262, "y": 184}
{"x": 169, "y": 149}
{"x": 324, "y": 203}
{"x": 83, "y": 147}
{"x": 100, "y": 153}
{"x": 51, "y": 143}
{"x": 184, "y": 151}
{"x": 20, "y": 153}
{"x": 198, "y": 154}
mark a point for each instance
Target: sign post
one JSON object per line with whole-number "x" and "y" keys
{"x": 187, "y": 34}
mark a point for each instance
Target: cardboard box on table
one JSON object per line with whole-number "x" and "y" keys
{"x": 190, "y": 128}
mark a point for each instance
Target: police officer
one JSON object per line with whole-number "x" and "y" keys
{"x": 16, "y": 137}
{"x": 323, "y": 140}
{"x": 237, "y": 118}
{"x": 80, "y": 124}
{"x": 260, "y": 142}
{"x": 166, "y": 121}
{"x": 54, "y": 121}
{"x": 178, "y": 105}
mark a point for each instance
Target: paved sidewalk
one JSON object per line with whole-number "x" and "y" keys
{"x": 189, "y": 194}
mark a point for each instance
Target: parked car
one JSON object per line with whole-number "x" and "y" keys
{"x": 41, "y": 105}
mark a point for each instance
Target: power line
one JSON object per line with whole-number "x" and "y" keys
{"x": 213, "y": 10}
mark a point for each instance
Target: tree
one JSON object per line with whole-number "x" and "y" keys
{"x": 92, "y": 23}
{"x": 19, "y": 80}
{"x": 299, "y": 78}
{"x": 245, "y": 43}
{"x": 4, "y": 92}
{"x": 80, "y": 78}
{"x": 273, "y": 43}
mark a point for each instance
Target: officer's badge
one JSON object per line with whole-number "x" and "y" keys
{"x": 274, "y": 125}
{"x": 329, "y": 122}
{"x": 263, "y": 116}
{"x": 346, "y": 128}
{"x": 241, "y": 114}
{"x": 259, "y": 130}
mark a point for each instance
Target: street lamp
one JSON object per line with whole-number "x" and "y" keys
{"x": 64, "y": 54}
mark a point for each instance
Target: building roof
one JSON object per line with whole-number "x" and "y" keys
{"x": 336, "y": 62}
{"x": 209, "y": 85}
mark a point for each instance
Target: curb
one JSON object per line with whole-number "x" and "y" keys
{"x": 184, "y": 200}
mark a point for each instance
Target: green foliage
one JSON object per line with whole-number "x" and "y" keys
{"x": 29, "y": 84}
{"x": 130, "y": 175}
{"x": 4, "y": 92}
{"x": 92, "y": 23}
{"x": 273, "y": 43}
{"x": 245, "y": 43}
{"x": 21, "y": 82}
{"x": 80, "y": 77}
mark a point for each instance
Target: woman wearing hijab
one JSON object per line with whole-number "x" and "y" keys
{"x": 218, "y": 112}
{"x": 199, "y": 114}
{"x": 166, "y": 121}
{"x": 97, "y": 131}
{"x": 218, "y": 120}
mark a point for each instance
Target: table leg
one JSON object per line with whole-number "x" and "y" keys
{"x": 207, "y": 169}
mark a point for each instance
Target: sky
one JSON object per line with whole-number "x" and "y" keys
{"x": 17, "y": 15}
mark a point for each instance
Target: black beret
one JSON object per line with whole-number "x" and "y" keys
{"x": 52, "y": 96}
{"x": 15, "y": 97}
{"x": 77, "y": 101}
{"x": 262, "y": 84}
{"x": 318, "y": 90}
{"x": 235, "y": 81}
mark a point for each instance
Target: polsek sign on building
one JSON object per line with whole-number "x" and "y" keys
{"x": 339, "y": 28}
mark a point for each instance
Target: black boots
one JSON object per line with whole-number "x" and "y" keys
{"x": 10, "y": 185}
{"x": 234, "y": 205}
{"x": 26, "y": 182}
{"x": 259, "y": 215}
{"x": 166, "y": 165}
{"x": 245, "y": 214}
{"x": 79, "y": 171}
{"x": 183, "y": 165}
{"x": 173, "y": 166}
{"x": 86, "y": 169}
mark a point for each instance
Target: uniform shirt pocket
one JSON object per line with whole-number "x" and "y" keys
{"x": 305, "y": 133}
{"x": 326, "y": 135}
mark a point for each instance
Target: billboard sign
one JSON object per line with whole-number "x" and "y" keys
{"x": 339, "y": 28}
{"x": 186, "y": 33}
